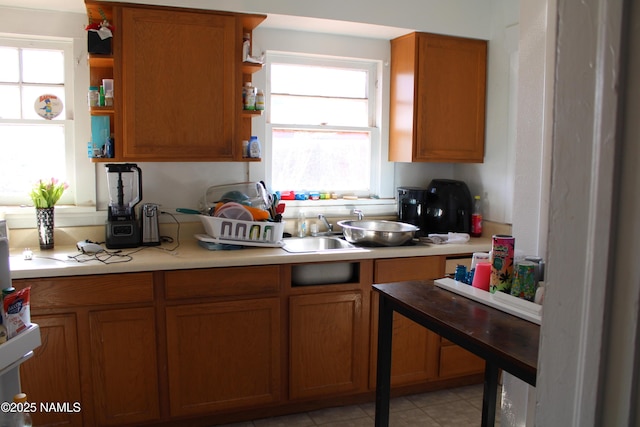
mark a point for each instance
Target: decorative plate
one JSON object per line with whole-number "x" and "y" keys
{"x": 48, "y": 106}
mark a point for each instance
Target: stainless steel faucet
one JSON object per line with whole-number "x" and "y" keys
{"x": 359, "y": 213}
{"x": 326, "y": 223}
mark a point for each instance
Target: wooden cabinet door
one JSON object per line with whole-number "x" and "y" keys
{"x": 455, "y": 361}
{"x": 223, "y": 355}
{"x": 415, "y": 349}
{"x": 124, "y": 368}
{"x": 438, "y": 91}
{"x": 327, "y": 344}
{"x": 180, "y": 84}
{"x": 450, "y": 106}
{"x": 52, "y": 374}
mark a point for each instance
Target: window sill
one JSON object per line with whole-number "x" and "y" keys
{"x": 340, "y": 207}
{"x": 65, "y": 216}
{"x": 74, "y": 216}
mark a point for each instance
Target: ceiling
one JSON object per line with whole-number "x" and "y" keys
{"x": 273, "y": 21}
{"x": 76, "y": 6}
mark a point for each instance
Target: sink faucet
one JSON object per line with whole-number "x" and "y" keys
{"x": 326, "y": 223}
{"x": 359, "y": 213}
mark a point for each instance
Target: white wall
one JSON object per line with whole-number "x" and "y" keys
{"x": 493, "y": 179}
{"x": 468, "y": 18}
{"x": 588, "y": 364}
{"x": 530, "y": 157}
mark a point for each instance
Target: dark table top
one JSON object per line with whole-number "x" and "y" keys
{"x": 496, "y": 336}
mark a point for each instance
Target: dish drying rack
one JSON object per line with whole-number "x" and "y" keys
{"x": 238, "y": 232}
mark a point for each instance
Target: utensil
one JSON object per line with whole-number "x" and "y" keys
{"x": 377, "y": 232}
{"x": 188, "y": 211}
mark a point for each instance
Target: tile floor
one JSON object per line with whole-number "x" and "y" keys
{"x": 458, "y": 407}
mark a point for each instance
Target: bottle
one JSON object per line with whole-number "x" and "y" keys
{"x": 93, "y": 97}
{"x": 249, "y": 96}
{"x": 101, "y": 101}
{"x": 23, "y": 417}
{"x": 255, "y": 150}
{"x": 246, "y": 46}
{"x": 245, "y": 149}
{"x": 260, "y": 100}
{"x": 109, "y": 149}
{"x": 302, "y": 224}
{"x": 476, "y": 218}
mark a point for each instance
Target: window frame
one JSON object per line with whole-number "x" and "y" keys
{"x": 82, "y": 209}
{"x": 373, "y": 116}
{"x": 66, "y": 46}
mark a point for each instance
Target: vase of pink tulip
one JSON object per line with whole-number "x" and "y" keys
{"x": 45, "y": 194}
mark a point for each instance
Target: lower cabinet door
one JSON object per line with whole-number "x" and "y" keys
{"x": 52, "y": 374}
{"x": 124, "y": 366}
{"x": 414, "y": 350}
{"x": 223, "y": 355}
{"x": 456, "y": 361}
{"x": 328, "y": 341}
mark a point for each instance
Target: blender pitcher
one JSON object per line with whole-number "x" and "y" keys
{"x": 125, "y": 192}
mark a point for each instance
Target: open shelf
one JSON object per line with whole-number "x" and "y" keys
{"x": 104, "y": 61}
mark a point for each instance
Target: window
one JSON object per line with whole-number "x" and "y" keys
{"x": 32, "y": 147}
{"x": 322, "y": 124}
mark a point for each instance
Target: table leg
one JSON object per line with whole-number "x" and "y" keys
{"x": 383, "y": 373}
{"x": 489, "y": 396}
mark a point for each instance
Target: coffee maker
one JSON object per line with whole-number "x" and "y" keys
{"x": 412, "y": 207}
{"x": 125, "y": 192}
{"x": 448, "y": 207}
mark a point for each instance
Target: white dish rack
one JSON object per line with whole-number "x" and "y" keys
{"x": 239, "y": 232}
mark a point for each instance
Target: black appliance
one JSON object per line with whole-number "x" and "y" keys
{"x": 125, "y": 192}
{"x": 412, "y": 206}
{"x": 448, "y": 207}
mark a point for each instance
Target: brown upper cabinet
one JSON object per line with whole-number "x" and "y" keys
{"x": 178, "y": 77}
{"x": 438, "y": 91}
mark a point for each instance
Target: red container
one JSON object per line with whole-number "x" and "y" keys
{"x": 287, "y": 195}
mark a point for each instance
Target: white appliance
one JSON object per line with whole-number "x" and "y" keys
{"x": 19, "y": 348}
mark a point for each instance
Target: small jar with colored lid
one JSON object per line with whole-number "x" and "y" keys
{"x": 249, "y": 96}
{"x": 260, "y": 100}
{"x": 93, "y": 97}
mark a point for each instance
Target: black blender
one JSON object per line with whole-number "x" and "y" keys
{"x": 125, "y": 192}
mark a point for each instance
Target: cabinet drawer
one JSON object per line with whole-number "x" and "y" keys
{"x": 93, "y": 290}
{"x": 414, "y": 268}
{"x": 456, "y": 361}
{"x": 225, "y": 281}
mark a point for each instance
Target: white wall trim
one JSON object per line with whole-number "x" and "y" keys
{"x": 582, "y": 183}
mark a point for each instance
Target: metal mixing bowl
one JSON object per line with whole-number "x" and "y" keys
{"x": 377, "y": 232}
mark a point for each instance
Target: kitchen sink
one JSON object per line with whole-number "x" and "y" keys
{"x": 316, "y": 244}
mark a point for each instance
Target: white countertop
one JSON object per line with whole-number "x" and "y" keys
{"x": 59, "y": 261}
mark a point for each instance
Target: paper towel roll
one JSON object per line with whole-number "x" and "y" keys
{"x": 502, "y": 252}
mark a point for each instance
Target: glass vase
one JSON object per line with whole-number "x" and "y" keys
{"x": 44, "y": 217}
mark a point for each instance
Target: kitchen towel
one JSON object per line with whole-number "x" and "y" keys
{"x": 446, "y": 238}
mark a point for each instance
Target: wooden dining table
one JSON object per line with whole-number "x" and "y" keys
{"x": 506, "y": 342}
